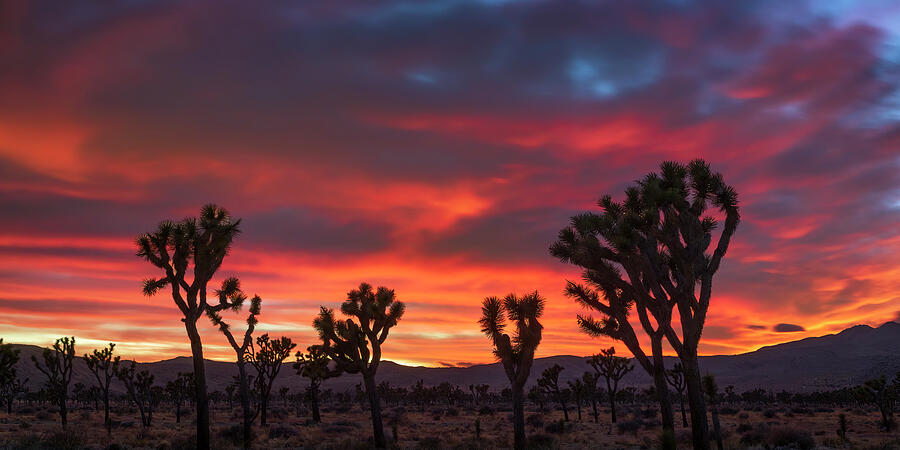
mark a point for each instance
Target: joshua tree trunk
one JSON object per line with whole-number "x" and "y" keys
{"x": 683, "y": 415}
{"x": 264, "y": 406}
{"x": 63, "y": 412}
{"x": 612, "y": 402}
{"x": 245, "y": 404}
{"x": 314, "y": 400}
{"x": 518, "y": 398}
{"x": 106, "y": 421}
{"x": 200, "y": 385}
{"x": 716, "y": 429}
{"x": 662, "y": 388}
{"x": 565, "y": 410}
{"x": 594, "y": 406}
{"x": 699, "y": 426}
{"x": 375, "y": 409}
{"x": 578, "y": 404}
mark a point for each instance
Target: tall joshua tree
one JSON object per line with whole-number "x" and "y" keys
{"x": 232, "y": 297}
{"x": 104, "y": 365}
{"x": 57, "y": 368}
{"x": 675, "y": 377}
{"x": 267, "y": 361}
{"x": 197, "y": 247}
{"x": 313, "y": 365}
{"x": 578, "y": 390}
{"x": 355, "y": 346}
{"x": 516, "y": 352}
{"x": 654, "y": 251}
{"x": 612, "y": 368}
{"x": 549, "y": 384}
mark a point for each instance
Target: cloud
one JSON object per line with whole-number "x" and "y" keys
{"x": 756, "y": 327}
{"x": 787, "y": 328}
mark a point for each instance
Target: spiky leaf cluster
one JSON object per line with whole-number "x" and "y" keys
{"x": 355, "y": 345}
{"x": 173, "y": 246}
{"x": 516, "y": 352}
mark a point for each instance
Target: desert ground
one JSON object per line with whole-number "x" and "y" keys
{"x": 33, "y": 427}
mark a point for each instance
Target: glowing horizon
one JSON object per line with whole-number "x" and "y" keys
{"x": 437, "y": 150}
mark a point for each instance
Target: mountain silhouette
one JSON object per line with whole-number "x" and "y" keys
{"x": 827, "y": 362}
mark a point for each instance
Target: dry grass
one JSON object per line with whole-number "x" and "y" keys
{"x": 437, "y": 427}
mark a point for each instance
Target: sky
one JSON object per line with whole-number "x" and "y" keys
{"x": 437, "y": 148}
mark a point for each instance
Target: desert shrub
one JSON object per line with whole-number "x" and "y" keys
{"x": 743, "y": 416}
{"x": 629, "y": 426}
{"x": 648, "y": 413}
{"x": 430, "y": 442}
{"x": 63, "y": 440}
{"x": 43, "y": 415}
{"x": 540, "y": 442}
{"x": 558, "y": 427}
{"x": 235, "y": 433}
{"x": 801, "y": 410}
{"x": 769, "y": 414}
{"x": 341, "y": 409}
{"x": 281, "y": 432}
{"x": 535, "y": 420}
{"x": 792, "y": 438}
{"x": 340, "y": 426}
{"x": 486, "y": 411}
{"x": 451, "y": 412}
{"x": 744, "y": 427}
{"x": 728, "y": 411}
{"x": 755, "y": 436}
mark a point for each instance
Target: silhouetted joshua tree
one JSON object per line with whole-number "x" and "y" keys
{"x": 650, "y": 251}
{"x": 549, "y": 384}
{"x": 313, "y": 365}
{"x": 578, "y": 394}
{"x": 884, "y": 394}
{"x": 675, "y": 377}
{"x": 10, "y": 384}
{"x": 232, "y": 297}
{"x": 612, "y": 368}
{"x": 356, "y": 347}
{"x": 589, "y": 379}
{"x": 711, "y": 389}
{"x": 195, "y": 246}
{"x": 139, "y": 386}
{"x": 103, "y": 365}
{"x": 515, "y": 352}
{"x": 57, "y": 367}
{"x": 179, "y": 390}
{"x": 267, "y": 361}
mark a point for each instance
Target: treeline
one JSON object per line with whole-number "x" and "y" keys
{"x": 647, "y": 265}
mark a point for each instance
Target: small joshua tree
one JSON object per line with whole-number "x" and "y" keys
{"x": 578, "y": 390}
{"x": 57, "y": 367}
{"x": 711, "y": 389}
{"x": 884, "y": 394}
{"x": 675, "y": 378}
{"x": 179, "y": 390}
{"x": 355, "y": 346}
{"x": 139, "y": 386}
{"x": 549, "y": 384}
{"x": 313, "y": 365}
{"x": 10, "y": 385}
{"x": 515, "y": 352}
{"x": 613, "y": 368}
{"x": 267, "y": 361}
{"x": 232, "y": 297}
{"x": 103, "y": 365}
{"x": 589, "y": 380}
{"x": 194, "y": 246}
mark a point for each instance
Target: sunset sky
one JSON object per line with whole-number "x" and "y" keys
{"x": 437, "y": 148}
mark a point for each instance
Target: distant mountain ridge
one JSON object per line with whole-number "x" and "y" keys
{"x": 832, "y": 361}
